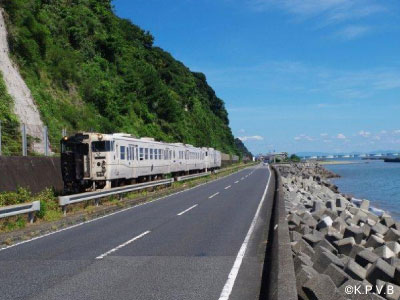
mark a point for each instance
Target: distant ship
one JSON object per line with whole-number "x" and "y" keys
{"x": 330, "y": 156}
{"x": 397, "y": 159}
{"x": 346, "y": 156}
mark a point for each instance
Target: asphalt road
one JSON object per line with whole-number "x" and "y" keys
{"x": 205, "y": 243}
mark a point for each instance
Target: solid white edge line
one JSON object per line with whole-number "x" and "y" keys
{"x": 236, "y": 181}
{"x": 227, "y": 187}
{"x": 227, "y": 290}
{"x": 123, "y": 245}
{"x": 186, "y": 210}
{"x": 117, "y": 212}
{"x": 213, "y": 195}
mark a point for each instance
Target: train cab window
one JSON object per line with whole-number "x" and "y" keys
{"x": 141, "y": 156}
{"x": 102, "y": 146}
{"x": 122, "y": 151}
{"x": 146, "y": 153}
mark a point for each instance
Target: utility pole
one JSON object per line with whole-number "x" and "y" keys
{"x": 24, "y": 143}
{"x": 0, "y": 137}
{"x": 46, "y": 141}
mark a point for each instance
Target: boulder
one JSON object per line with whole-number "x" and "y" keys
{"x": 325, "y": 222}
{"x": 374, "y": 241}
{"x": 392, "y": 235}
{"x": 384, "y": 252}
{"x": 380, "y": 269}
{"x": 303, "y": 246}
{"x": 345, "y": 245}
{"x": 322, "y": 287}
{"x": 337, "y": 275}
{"x": 379, "y": 228}
{"x": 323, "y": 259}
{"x": 355, "y": 271}
{"x": 364, "y": 204}
{"x": 312, "y": 239}
{"x": 354, "y": 231}
{"x": 365, "y": 257}
{"x": 305, "y": 273}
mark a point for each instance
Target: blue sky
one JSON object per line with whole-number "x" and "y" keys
{"x": 295, "y": 75}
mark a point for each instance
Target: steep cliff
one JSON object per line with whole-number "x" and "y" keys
{"x": 88, "y": 69}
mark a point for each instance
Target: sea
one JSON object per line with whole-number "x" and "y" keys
{"x": 374, "y": 180}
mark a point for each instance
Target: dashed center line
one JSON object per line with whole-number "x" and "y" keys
{"x": 236, "y": 181}
{"x": 123, "y": 245}
{"x": 228, "y": 187}
{"x": 186, "y": 210}
{"x": 213, "y": 195}
{"x": 242, "y": 178}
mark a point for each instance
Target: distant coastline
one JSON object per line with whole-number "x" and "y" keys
{"x": 341, "y": 162}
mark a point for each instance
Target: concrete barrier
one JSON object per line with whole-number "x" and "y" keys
{"x": 279, "y": 279}
{"x": 35, "y": 173}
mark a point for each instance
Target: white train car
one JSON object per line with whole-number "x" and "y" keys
{"x": 93, "y": 161}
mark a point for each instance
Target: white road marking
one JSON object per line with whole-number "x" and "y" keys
{"x": 227, "y": 290}
{"x": 227, "y": 187}
{"x": 213, "y": 195}
{"x": 186, "y": 210}
{"x": 123, "y": 245}
{"x": 236, "y": 181}
{"x": 242, "y": 178}
{"x": 117, "y": 212}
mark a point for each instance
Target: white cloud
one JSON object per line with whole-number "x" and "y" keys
{"x": 251, "y": 138}
{"x": 323, "y": 134}
{"x": 383, "y": 131}
{"x": 242, "y": 130}
{"x": 303, "y": 137}
{"x": 341, "y": 136}
{"x": 364, "y": 133}
{"x": 353, "y": 31}
{"x": 396, "y": 131}
{"x": 333, "y": 11}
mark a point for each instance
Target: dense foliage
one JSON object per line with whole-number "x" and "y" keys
{"x": 90, "y": 70}
{"x": 243, "y": 151}
{"x": 10, "y": 138}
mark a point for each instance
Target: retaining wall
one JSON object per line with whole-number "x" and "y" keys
{"x": 279, "y": 279}
{"x": 35, "y": 173}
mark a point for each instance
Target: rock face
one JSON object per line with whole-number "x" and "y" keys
{"x": 24, "y": 104}
{"x": 336, "y": 242}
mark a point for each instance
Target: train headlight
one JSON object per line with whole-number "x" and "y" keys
{"x": 65, "y": 138}
{"x": 100, "y": 136}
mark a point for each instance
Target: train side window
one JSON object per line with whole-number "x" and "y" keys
{"x": 122, "y": 151}
{"x": 146, "y": 153}
{"x": 141, "y": 156}
{"x": 128, "y": 153}
{"x": 151, "y": 153}
{"x": 159, "y": 153}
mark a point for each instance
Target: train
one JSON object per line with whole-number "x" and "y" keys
{"x": 94, "y": 161}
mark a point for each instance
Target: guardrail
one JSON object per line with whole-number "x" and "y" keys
{"x": 187, "y": 177}
{"x": 19, "y": 209}
{"x": 64, "y": 201}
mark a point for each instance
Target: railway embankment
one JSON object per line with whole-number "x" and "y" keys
{"x": 341, "y": 249}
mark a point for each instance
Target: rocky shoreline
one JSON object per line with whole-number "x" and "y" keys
{"x": 341, "y": 249}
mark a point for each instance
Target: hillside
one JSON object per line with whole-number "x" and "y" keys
{"x": 87, "y": 69}
{"x": 242, "y": 148}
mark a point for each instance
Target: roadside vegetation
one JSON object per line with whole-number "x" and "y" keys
{"x": 90, "y": 70}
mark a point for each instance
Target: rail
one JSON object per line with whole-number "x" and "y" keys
{"x": 19, "y": 209}
{"x": 187, "y": 177}
{"x": 64, "y": 201}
